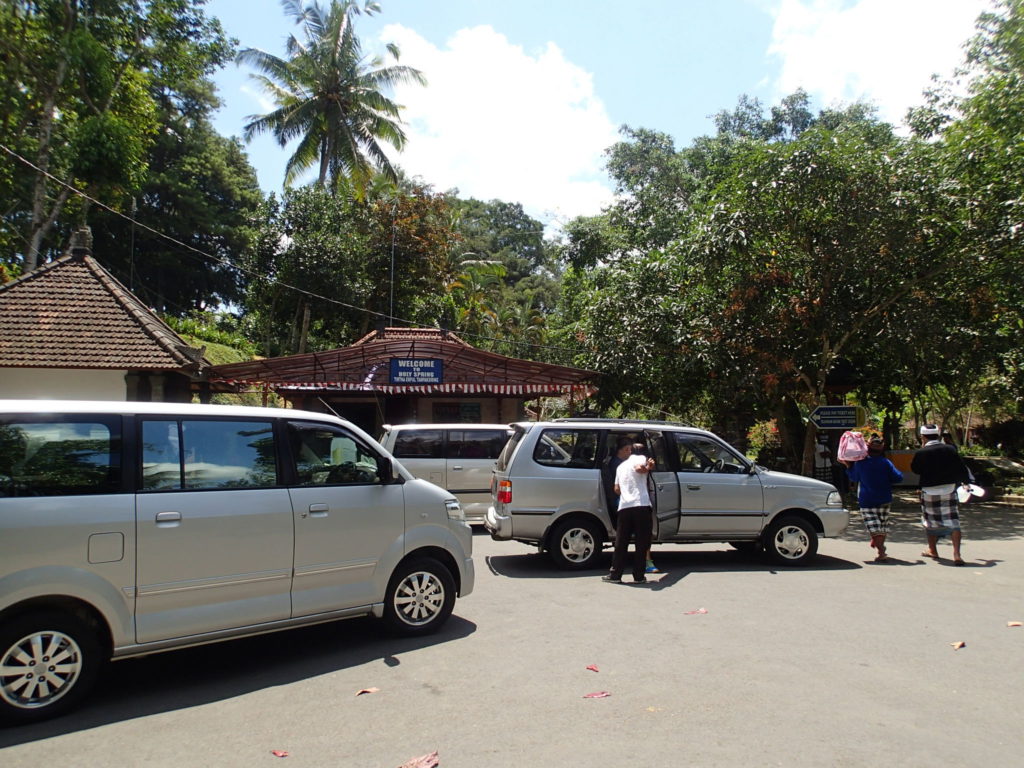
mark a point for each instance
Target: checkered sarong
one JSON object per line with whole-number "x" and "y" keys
{"x": 939, "y": 513}
{"x": 876, "y": 519}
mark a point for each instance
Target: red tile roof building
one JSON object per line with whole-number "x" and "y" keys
{"x": 73, "y": 314}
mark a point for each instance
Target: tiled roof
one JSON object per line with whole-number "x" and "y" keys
{"x": 72, "y": 313}
{"x": 366, "y": 363}
{"x": 410, "y": 334}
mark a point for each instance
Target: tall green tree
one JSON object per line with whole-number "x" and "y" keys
{"x": 329, "y": 266}
{"x": 79, "y": 95}
{"x": 330, "y": 97}
{"x": 201, "y": 195}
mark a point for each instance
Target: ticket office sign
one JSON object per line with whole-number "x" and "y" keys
{"x": 413, "y": 370}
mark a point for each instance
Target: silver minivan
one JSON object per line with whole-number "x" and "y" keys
{"x": 459, "y": 457}
{"x": 547, "y": 490}
{"x": 130, "y": 528}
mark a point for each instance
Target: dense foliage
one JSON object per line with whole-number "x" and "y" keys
{"x": 793, "y": 257}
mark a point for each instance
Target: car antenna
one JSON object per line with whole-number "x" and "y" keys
{"x": 328, "y": 407}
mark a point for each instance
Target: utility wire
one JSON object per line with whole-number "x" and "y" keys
{"x": 253, "y": 273}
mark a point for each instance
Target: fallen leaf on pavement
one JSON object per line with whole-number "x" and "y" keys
{"x": 278, "y": 753}
{"x": 958, "y": 645}
{"x": 593, "y": 668}
{"x": 1013, "y": 623}
{"x": 361, "y": 691}
{"x": 691, "y": 613}
{"x": 423, "y": 761}
{"x": 597, "y": 695}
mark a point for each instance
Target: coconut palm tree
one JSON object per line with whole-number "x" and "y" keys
{"x": 330, "y": 97}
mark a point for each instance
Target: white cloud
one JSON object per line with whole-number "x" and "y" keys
{"x": 882, "y": 51}
{"x": 500, "y": 122}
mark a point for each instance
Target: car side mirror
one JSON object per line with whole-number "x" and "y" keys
{"x": 388, "y": 475}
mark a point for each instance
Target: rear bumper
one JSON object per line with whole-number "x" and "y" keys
{"x": 499, "y": 526}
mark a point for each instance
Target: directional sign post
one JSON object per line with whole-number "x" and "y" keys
{"x": 839, "y": 416}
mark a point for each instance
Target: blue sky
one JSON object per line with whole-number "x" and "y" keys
{"x": 524, "y": 96}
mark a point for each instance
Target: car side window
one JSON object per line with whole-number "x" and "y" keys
{"x": 60, "y": 457}
{"x": 419, "y": 444}
{"x": 328, "y": 455}
{"x": 701, "y": 454}
{"x": 575, "y": 448}
{"x": 192, "y": 455}
{"x": 476, "y": 443}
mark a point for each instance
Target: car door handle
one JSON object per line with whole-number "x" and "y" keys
{"x": 456, "y": 468}
{"x": 168, "y": 519}
{"x": 318, "y": 510}
{"x": 693, "y": 487}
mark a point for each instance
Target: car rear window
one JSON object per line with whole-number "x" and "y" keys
{"x": 476, "y": 443}
{"x": 58, "y": 457}
{"x": 419, "y": 444}
{"x": 575, "y": 448}
{"x": 510, "y": 448}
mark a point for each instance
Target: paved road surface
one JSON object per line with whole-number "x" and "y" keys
{"x": 846, "y": 663}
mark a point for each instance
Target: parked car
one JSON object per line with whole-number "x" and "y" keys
{"x": 130, "y": 528}
{"x": 547, "y": 491}
{"x": 458, "y": 457}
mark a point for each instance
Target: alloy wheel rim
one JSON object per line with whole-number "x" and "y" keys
{"x": 419, "y": 598}
{"x": 39, "y": 669}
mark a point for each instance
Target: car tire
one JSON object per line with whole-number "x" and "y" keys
{"x": 747, "y": 547}
{"x": 575, "y": 544}
{"x": 48, "y": 663}
{"x": 791, "y": 540}
{"x": 420, "y": 597}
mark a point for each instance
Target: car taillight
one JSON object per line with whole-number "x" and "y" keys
{"x": 505, "y": 491}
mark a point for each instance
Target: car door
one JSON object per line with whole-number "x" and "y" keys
{"x": 469, "y": 461}
{"x": 346, "y": 517}
{"x": 663, "y": 484}
{"x": 719, "y": 496}
{"x": 214, "y": 528}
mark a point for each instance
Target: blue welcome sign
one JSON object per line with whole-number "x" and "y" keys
{"x": 413, "y": 370}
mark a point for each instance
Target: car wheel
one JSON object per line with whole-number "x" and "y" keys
{"x": 420, "y": 597}
{"x": 747, "y": 547}
{"x": 48, "y": 663}
{"x": 575, "y": 544}
{"x": 791, "y": 541}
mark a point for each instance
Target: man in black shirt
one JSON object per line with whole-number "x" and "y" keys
{"x": 941, "y": 470}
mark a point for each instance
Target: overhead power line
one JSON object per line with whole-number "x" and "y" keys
{"x": 253, "y": 273}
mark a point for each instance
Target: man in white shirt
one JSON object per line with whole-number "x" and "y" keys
{"x": 634, "y": 515}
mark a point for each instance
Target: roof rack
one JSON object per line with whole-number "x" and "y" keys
{"x": 652, "y": 422}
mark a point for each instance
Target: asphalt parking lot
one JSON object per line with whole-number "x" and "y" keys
{"x": 844, "y": 663}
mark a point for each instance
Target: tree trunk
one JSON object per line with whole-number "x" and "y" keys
{"x": 293, "y": 342}
{"x": 305, "y": 328}
{"x": 41, "y": 221}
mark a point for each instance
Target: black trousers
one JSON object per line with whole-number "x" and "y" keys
{"x": 634, "y": 521}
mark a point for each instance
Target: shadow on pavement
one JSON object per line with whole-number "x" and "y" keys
{"x": 980, "y": 521}
{"x": 675, "y": 563}
{"x": 165, "y": 682}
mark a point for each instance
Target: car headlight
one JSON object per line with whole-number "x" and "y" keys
{"x": 834, "y": 499}
{"x": 455, "y": 511}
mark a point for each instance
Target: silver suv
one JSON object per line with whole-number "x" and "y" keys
{"x": 130, "y": 528}
{"x": 547, "y": 490}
